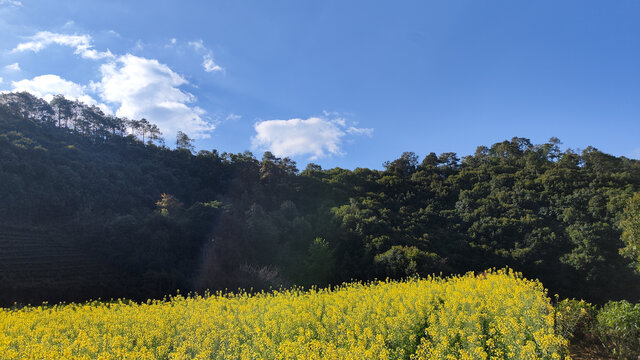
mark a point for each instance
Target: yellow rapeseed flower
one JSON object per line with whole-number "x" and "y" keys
{"x": 496, "y": 316}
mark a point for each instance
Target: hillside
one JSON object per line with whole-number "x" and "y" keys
{"x": 152, "y": 220}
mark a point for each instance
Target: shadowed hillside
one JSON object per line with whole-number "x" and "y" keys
{"x": 152, "y": 220}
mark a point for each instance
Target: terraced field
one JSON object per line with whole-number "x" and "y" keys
{"x": 37, "y": 265}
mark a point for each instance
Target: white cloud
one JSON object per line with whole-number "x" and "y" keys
{"x": 81, "y": 43}
{"x": 232, "y": 117}
{"x": 13, "y": 67}
{"x": 146, "y": 88}
{"x": 172, "y": 42}
{"x": 1, "y": 80}
{"x": 136, "y": 86}
{"x": 360, "y": 131}
{"x": 208, "y": 63}
{"x": 197, "y": 45}
{"x": 11, "y": 2}
{"x": 46, "y": 86}
{"x": 315, "y": 136}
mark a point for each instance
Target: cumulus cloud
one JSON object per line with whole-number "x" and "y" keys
{"x": 135, "y": 86}
{"x": 81, "y": 43}
{"x": 146, "y": 88}
{"x": 208, "y": 63}
{"x": 46, "y": 86}
{"x": 316, "y": 136}
{"x": 13, "y": 67}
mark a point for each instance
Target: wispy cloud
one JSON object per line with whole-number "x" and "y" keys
{"x": 13, "y": 67}
{"x": 172, "y": 43}
{"x": 139, "y": 45}
{"x": 208, "y": 64}
{"x": 316, "y": 136}
{"x": 359, "y": 131}
{"x": 81, "y": 43}
{"x": 16, "y": 3}
{"x": 197, "y": 45}
{"x": 233, "y": 117}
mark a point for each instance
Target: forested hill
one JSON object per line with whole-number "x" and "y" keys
{"x": 87, "y": 211}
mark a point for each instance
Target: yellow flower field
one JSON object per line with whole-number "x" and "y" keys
{"x": 497, "y": 315}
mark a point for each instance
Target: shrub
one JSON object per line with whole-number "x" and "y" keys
{"x": 576, "y": 321}
{"x": 619, "y": 329}
{"x": 613, "y": 330}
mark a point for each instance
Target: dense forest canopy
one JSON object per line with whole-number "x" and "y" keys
{"x": 155, "y": 220}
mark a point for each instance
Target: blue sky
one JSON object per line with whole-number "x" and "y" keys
{"x": 341, "y": 83}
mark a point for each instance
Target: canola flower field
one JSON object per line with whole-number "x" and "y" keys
{"x": 498, "y": 315}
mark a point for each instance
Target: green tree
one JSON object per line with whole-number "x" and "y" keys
{"x": 62, "y": 108}
{"x": 183, "y": 141}
{"x": 155, "y": 134}
{"x": 630, "y": 225}
{"x": 320, "y": 263}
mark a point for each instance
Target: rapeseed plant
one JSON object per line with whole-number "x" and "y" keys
{"x": 496, "y": 316}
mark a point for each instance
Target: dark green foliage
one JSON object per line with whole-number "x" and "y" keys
{"x": 630, "y": 225}
{"x": 319, "y": 265}
{"x": 612, "y": 330}
{"x": 406, "y": 261}
{"x": 619, "y": 328}
{"x": 162, "y": 219}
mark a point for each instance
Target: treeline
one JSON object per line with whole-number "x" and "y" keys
{"x": 78, "y": 117}
{"x": 167, "y": 219}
